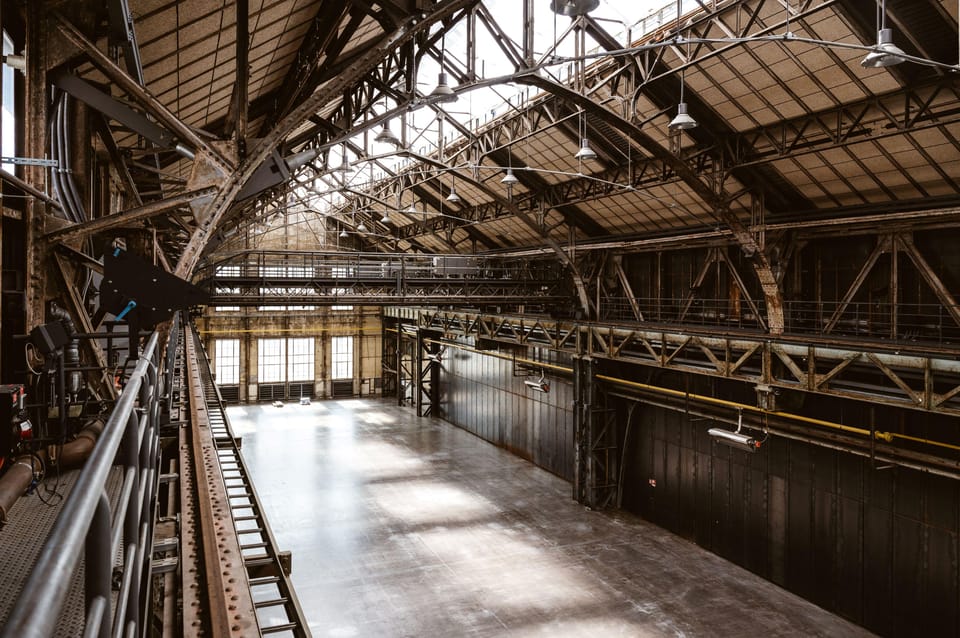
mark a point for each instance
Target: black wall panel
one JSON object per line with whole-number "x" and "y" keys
{"x": 487, "y": 396}
{"x": 877, "y": 545}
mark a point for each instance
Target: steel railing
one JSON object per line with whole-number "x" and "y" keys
{"x": 89, "y": 526}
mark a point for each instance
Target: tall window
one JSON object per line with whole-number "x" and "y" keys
{"x": 342, "y": 357}
{"x": 271, "y": 360}
{"x": 227, "y": 361}
{"x": 8, "y": 121}
{"x": 300, "y": 359}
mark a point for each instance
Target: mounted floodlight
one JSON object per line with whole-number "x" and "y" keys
{"x": 683, "y": 121}
{"x": 540, "y": 385}
{"x": 886, "y": 53}
{"x": 738, "y": 440}
{"x": 435, "y": 356}
{"x": 574, "y": 8}
{"x": 442, "y": 92}
{"x": 509, "y": 179}
{"x": 386, "y": 136}
{"x": 585, "y": 154}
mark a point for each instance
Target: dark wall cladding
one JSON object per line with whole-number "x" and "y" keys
{"x": 480, "y": 393}
{"x": 876, "y": 545}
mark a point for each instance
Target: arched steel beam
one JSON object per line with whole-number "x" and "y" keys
{"x": 405, "y": 32}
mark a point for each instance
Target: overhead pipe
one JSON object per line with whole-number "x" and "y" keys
{"x": 19, "y": 477}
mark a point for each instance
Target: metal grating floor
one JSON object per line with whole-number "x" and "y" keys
{"x": 29, "y": 523}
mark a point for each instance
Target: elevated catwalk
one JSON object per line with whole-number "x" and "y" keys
{"x": 406, "y": 526}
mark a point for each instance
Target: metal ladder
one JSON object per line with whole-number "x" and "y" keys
{"x": 278, "y": 610}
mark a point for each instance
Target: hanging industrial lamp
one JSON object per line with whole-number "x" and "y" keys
{"x": 573, "y": 8}
{"x": 585, "y": 154}
{"x": 344, "y": 234}
{"x": 386, "y": 136}
{"x": 386, "y": 217}
{"x": 442, "y": 92}
{"x": 452, "y": 195}
{"x": 886, "y": 52}
{"x": 344, "y": 162}
{"x": 683, "y": 120}
{"x": 509, "y": 179}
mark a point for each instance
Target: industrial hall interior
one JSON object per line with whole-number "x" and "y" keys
{"x": 440, "y": 318}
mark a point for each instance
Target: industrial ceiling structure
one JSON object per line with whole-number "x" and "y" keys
{"x": 764, "y": 193}
{"x": 793, "y": 128}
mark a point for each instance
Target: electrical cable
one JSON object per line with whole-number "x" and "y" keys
{"x": 27, "y": 348}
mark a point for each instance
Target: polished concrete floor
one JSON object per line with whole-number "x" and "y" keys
{"x": 402, "y": 526}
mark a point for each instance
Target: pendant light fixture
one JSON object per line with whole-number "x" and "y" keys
{"x": 386, "y": 217}
{"x": 573, "y": 8}
{"x": 452, "y": 195}
{"x": 886, "y": 53}
{"x": 386, "y": 136}
{"x": 442, "y": 92}
{"x": 683, "y": 121}
{"x": 585, "y": 154}
{"x": 344, "y": 167}
{"x": 509, "y": 180}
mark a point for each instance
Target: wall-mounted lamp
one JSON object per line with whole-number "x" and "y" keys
{"x": 737, "y": 439}
{"x": 540, "y": 385}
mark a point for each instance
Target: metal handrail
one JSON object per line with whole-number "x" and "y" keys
{"x": 130, "y": 438}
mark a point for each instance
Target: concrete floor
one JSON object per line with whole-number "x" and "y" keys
{"x": 402, "y": 526}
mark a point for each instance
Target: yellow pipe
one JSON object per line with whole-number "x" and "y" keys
{"x": 927, "y": 441}
{"x": 886, "y": 436}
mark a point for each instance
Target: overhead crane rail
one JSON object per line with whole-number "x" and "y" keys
{"x": 256, "y": 587}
